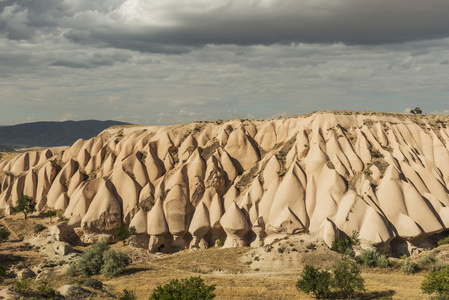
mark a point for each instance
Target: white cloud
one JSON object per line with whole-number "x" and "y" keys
{"x": 67, "y": 117}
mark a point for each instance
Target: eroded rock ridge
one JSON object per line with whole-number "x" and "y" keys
{"x": 385, "y": 176}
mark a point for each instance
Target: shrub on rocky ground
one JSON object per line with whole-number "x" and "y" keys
{"x": 187, "y": 289}
{"x": 93, "y": 283}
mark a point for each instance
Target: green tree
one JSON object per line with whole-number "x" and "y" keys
{"x": 192, "y": 288}
{"x": 436, "y": 282}
{"x": 25, "y": 205}
{"x": 4, "y": 234}
{"x": 416, "y": 111}
{"x": 315, "y": 281}
{"x": 122, "y": 232}
{"x": 347, "y": 278}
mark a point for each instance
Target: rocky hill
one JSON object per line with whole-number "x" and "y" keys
{"x": 384, "y": 176}
{"x": 51, "y": 134}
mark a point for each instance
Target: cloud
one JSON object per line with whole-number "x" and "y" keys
{"x": 67, "y": 117}
{"x": 92, "y": 60}
{"x": 180, "y": 61}
{"x": 177, "y": 27}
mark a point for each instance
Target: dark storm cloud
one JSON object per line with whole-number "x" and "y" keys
{"x": 177, "y": 27}
{"x": 144, "y": 26}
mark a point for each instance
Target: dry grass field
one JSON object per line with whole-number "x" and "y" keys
{"x": 238, "y": 273}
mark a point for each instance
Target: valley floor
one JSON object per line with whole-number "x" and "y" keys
{"x": 238, "y": 273}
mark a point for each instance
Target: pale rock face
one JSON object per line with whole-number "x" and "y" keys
{"x": 104, "y": 213}
{"x": 235, "y": 225}
{"x": 156, "y": 223}
{"x": 240, "y": 147}
{"x": 385, "y": 176}
{"x": 140, "y": 222}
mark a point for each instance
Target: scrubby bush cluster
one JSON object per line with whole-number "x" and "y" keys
{"x": 46, "y": 290}
{"x": 50, "y": 214}
{"x": 443, "y": 241}
{"x": 431, "y": 263}
{"x": 99, "y": 258}
{"x": 192, "y": 288}
{"x": 345, "y": 280}
{"x": 343, "y": 246}
{"x": 372, "y": 258}
{"x": 314, "y": 281}
{"x": 437, "y": 282}
{"x": 93, "y": 283}
{"x": 128, "y": 295}
{"x": 38, "y": 228}
{"x": 4, "y": 234}
{"x": 122, "y": 232}
{"x": 408, "y": 267}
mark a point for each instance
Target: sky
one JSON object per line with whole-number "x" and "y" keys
{"x": 159, "y": 62}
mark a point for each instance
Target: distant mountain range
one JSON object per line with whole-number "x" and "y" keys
{"x": 51, "y": 134}
{"x": 5, "y": 149}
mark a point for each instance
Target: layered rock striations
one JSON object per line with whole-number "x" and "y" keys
{"x": 385, "y": 176}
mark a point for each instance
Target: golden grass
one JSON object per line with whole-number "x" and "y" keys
{"x": 235, "y": 280}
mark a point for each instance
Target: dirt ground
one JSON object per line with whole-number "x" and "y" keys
{"x": 269, "y": 272}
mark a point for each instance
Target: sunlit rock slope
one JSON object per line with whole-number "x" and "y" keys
{"x": 385, "y": 176}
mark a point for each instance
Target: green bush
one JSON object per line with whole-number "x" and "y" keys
{"x": 428, "y": 259}
{"x": 91, "y": 261}
{"x": 46, "y": 290}
{"x": 372, "y": 258}
{"x": 383, "y": 262}
{"x": 220, "y": 242}
{"x": 431, "y": 263}
{"x": 93, "y": 283}
{"x": 114, "y": 262}
{"x": 38, "y": 228}
{"x": 347, "y": 279}
{"x": 439, "y": 265}
{"x": 341, "y": 245}
{"x": 376, "y": 154}
{"x": 99, "y": 258}
{"x": 50, "y": 214}
{"x": 315, "y": 281}
{"x": 369, "y": 257}
{"x": 22, "y": 285}
{"x": 4, "y": 234}
{"x": 2, "y": 270}
{"x": 128, "y": 295}
{"x": 71, "y": 270}
{"x": 443, "y": 241}
{"x": 436, "y": 282}
{"x": 192, "y": 288}
{"x": 408, "y": 267}
{"x": 122, "y": 232}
